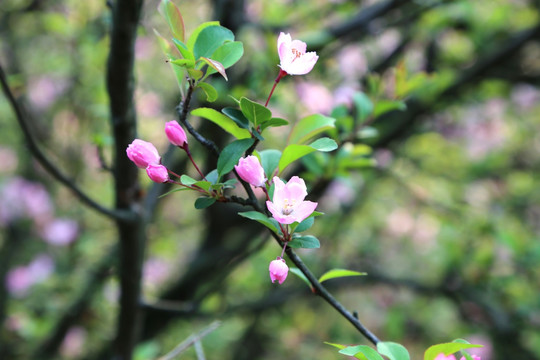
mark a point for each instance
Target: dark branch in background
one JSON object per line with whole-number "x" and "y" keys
{"x": 48, "y": 165}
{"x": 183, "y": 346}
{"x": 131, "y": 237}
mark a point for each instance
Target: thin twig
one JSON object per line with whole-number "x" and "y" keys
{"x": 48, "y": 164}
{"x": 184, "y": 345}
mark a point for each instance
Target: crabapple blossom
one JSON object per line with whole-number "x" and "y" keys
{"x": 278, "y": 270}
{"x": 288, "y": 205}
{"x": 251, "y": 171}
{"x": 175, "y": 133}
{"x": 293, "y": 57}
{"x": 143, "y": 153}
{"x": 157, "y": 173}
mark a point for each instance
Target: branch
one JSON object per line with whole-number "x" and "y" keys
{"x": 48, "y": 165}
{"x": 183, "y": 346}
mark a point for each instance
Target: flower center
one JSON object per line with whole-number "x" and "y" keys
{"x": 297, "y": 53}
{"x": 288, "y": 207}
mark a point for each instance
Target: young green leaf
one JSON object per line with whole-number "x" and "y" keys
{"x": 269, "y": 161}
{"x": 294, "y": 152}
{"x": 337, "y": 273}
{"x": 366, "y": 351}
{"x": 209, "y": 90}
{"x": 228, "y": 54}
{"x": 446, "y": 349}
{"x": 223, "y": 121}
{"x": 183, "y": 49}
{"x": 172, "y": 15}
{"x": 393, "y": 351}
{"x": 304, "y": 242}
{"x": 274, "y": 122}
{"x": 263, "y": 219}
{"x": 210, "y": 39}
{"x": 255, "y": 112}
{"x": 301, "y": 275}
{"x": 303, "y": 226}
{"x": 384, "y": 106}
{"x": 185, "y": 63}
{"x": 204, "y": 202}
{"x": 309, "y": 127}
{"x": 216, "y": 65}
{"x": 195, "y": 34}
{"x": 231, "y": 154}
{"x": 237, "y": 116}
{"x": 186, "y": 180}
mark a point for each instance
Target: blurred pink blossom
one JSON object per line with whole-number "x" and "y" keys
{"x": 20, "y": 198}
{"x": 21, "y": 278}
{"x": 293, "y": 57}
{"x": 155, "y": 271}
{"x": 278, "y": 270}
{"x": 352, "y": 62}
{"x": 525, "y": 96}
{"x": 73, "y": 344}
{"x": 60, "y": 232}
{"x": 8, "y": 159}
{"x": 43, "y": 91}
{"x": 288, "y": 203}
{"x": 149, "y": 105}
{"x": 316, "y": 97}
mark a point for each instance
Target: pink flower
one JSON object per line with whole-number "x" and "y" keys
{"x": 278, "y": 270}
{"x": 288, "y": 203}
{"x": 175, "y": 133}
{"x": 60, "y": 232}
{"x": 293, "y": 57}
{"x": 157, "y": 173}
{"x": 143, "y": 153}
{"x": 250, "y": 170}
{"x": 441, "y": 356}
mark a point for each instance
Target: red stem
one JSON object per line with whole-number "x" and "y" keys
{"x": 280, "y": 75}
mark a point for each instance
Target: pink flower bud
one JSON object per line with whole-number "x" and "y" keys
{"x": 143, "y": 153}
{"x": 251, "y": 171}
{"x": 278, "y": 270}
{"x": 293, "y": 57}
{"x": 175, "y": 133}
{"x": 157, "y": 173}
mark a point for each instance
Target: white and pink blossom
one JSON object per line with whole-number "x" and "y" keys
{"x": 293, "y": 57}
{"x": 288, "y": 205}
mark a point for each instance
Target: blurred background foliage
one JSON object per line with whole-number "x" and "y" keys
{"x": 446, "y": 224}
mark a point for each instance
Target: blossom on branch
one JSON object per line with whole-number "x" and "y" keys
{"x": 251, "y": 171}
{"x": 288, "y": 203}
{"x": 157, "y": 173}
{"x": 175, "y": 133}
{"x": 293, "y": 57}
{"x": 143, "y": 153}
{"x": 278, "y": 270}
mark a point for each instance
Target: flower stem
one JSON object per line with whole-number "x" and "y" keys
{"x": 283, "y": 251}
{"x": 193, "y": 162}
{"x": 280, "y": 75}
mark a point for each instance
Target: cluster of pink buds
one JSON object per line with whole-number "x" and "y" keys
{"x": 145, "y": 155}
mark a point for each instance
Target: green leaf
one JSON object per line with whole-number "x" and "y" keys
{"x": 210, "y": 91}
{"x": 195, "y": 73}
{"x": 172, "y": 14}
{"x": 216, "y": 65}
{"x": 210, "y": 39}
{"x": 183, "y": 49}
{"x": 237, "y": 116}
{"x": 164, "y": 45}
{"x": 231, "y": 154}
{"x": 304, "y": 242}
{"x": 304, "y": 225}
{"x": 255, "y": 112}
{"x": 185, "y": 63}
{"x": 270, "y": 223}
{"x": 193, "y": 38}
{"x": 173, "y": 191}
{"x": 337, "y": 273}
{"x": 364, "y": 106}
{"x": 446, "y": 349}
{"x": 301, "y": 275}
{"x": 274, "y": 122}
{"x": 205, "y": 185}
{"x": 366, "y": 351}
{"x": 228, "y": 54}
{"x": 384, "y": 106}
{"x": 222, "y": 121}
{"x": 367, "y": 133}
{"x": 309, "y": 127}
{"x": 393, "y": 351}
{"x": 269, "y": 161}
{"x": 204, "y": 202}
{"x": 212, "y": 176}
{"x": 186, "y": 180}
{"x": 294, "y": 152}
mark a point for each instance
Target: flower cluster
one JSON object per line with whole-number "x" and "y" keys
{"x": 145, "y": 155}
